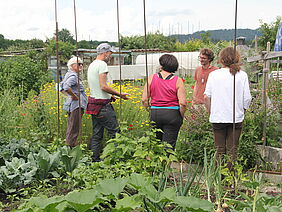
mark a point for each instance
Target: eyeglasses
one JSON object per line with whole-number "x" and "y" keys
{"x": 80, "y": 64}
{"x": 202, "y": 58}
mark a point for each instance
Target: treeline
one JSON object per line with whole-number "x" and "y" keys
{"x": 157, "y": 40}
{"x": 220, "y": 34}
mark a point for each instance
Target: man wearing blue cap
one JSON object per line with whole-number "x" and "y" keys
{"x": 99, "y": 101}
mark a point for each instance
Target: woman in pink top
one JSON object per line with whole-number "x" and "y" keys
{"x": 166, "y": 97}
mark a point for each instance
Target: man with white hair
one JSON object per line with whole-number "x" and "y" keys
{"x": 69, "y": 86}
{"x": 102, "y": 112}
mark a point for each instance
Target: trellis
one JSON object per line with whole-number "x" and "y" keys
{"x": 146, "y": 59}
{"x": 266, "y": 57}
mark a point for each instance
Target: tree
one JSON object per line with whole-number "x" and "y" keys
{"x": 65, "y": 36}
{"x": 206, "y": 37}
{"x": 154, "y": 41}
{"x": 269, "y": 32}
{"x": 65, "y": 50}
{"x": 4, "y": 43}
{"x": 23, "y": 74}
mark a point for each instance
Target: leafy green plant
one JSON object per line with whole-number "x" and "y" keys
{"x": 45, "y": 161}
{"x": 16, "y": 173}
{"x": 144, "y": 196}
{"x": 196, "y": 135}
{"x": 23, "y": 73}
{"x": 71, "y": 157}
{"x": 145, "y": 154}
{"x": 236, "y": 176}
{"x": 19, "y": 148}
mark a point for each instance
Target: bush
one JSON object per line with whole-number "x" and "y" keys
{"x": 23, "y": 74}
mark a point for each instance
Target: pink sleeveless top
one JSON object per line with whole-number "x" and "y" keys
{"x": 164, "y": 92}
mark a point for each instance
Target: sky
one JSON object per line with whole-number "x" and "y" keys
{"x": 97, "y": 20}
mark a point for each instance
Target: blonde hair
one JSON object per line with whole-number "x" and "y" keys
{"x": 231, "y": 59}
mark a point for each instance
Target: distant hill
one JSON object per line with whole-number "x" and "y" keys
{"x": 220, "y": 34}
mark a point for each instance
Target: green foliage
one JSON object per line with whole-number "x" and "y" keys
{"x": 197, "y": 44}
{"x": 258, "y": 202}
{"x": 10, "y": 148}
{"x": 236, "y": 176}
{"x": 23, "y": 74}
{"x": 24, "y": 162}
{"x": 45, "y": 162}
{"x": 124, "y": 155}
{"x": 275, "y": 94}
{"x": 269, "y": 32}
{"x": 16, "y": 173}
{"x": 144, "y": 195}
{"x": 145, "y": 154}
{"x": 65, "y": 36}
{"x": 66, "y": 50}
{"x": 154, "y": 41}
{"x": 205, "y": 37}
{"x": 196, "y": 136}
{"x": 71, "y": 157}
{"x": 190, "y": 45}
{"x": 13, "y": 45}
{"x": 9, "y": 116}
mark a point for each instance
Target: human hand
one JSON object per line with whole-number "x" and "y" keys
{"x": 75, "y": 98}
{"x": 124, "y": 96}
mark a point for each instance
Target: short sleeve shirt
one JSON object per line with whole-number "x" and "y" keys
{"x": 201, "y": 77}
{"x": 96, "y": 68}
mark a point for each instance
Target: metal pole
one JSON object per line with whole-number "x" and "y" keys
{"x": 145, "y": 46}
{"x": 78, "y": 74}
{"x": 234, "y": 81}
{"x": 119, "y": 58}
{"x": 58, "y": 70}
{"x": 265, "y": 90}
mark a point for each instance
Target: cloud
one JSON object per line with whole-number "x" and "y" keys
{"x": 33, "y": 29}
{"x": 171, "y": 12}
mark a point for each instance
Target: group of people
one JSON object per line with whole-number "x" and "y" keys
{"x": 164, "y": 96}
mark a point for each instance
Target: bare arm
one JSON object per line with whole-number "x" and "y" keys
{"x": 72, "y": 94}
{"x": 105, "y": 87}
{"x": 146, "y": 96}
{"x": 207, "y": 103}
{"x": 181, "y": 93}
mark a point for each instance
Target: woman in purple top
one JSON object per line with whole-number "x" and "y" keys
{"x": 166, "y": 98}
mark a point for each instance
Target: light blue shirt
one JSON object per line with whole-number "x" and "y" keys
{"x": 70, "y": 81}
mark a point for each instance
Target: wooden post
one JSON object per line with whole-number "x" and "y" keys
{"x": 265, "y": 90}
{"x": 256, "y": 44}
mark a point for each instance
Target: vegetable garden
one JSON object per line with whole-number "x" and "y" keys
{"x": 39, "y": 173}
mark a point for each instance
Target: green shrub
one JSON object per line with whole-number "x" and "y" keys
{"x": 22, "y": 74}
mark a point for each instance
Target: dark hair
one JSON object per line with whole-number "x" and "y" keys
{"x": 207, "y": 52}
{"x": 230, "y": 58}
{"x": 169, "y": 63}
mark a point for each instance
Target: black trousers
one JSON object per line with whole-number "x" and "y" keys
{"x": 105, "y": 119}
{"x": 169, "y": 121}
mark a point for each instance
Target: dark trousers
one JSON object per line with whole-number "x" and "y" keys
{"x": 169, "y": 121}
{"x": 106, "y": 118}
{"x": 223, "y": 138}
{"x": 74, "y": 125}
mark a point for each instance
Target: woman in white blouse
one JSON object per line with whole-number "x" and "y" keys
{"x": 219, "y": 101}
